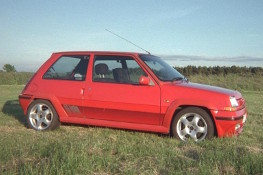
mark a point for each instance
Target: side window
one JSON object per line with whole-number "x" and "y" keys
{"x": 135, "y": 71}
{"x": 116, "y": 69}
{"x": 68, "y": 68}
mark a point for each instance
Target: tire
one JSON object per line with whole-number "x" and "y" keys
{"x": 42, "y": 116}
{"x": 192, "y": 123}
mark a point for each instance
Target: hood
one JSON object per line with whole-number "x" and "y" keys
{"x": 208, "y": 88}
{"x": 187, "y": 93}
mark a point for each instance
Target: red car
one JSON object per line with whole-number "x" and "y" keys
{"x": 130, "y": 91}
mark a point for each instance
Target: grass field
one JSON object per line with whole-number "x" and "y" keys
{"x": 91, "y": 150}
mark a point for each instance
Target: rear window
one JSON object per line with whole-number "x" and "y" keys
{"x": 68, "y": 68}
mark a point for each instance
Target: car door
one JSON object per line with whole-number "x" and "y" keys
{"x": 64, "y": 82}
{"x": 116, "y": 95}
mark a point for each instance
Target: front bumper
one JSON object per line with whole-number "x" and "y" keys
{"x": 229, "y": 123}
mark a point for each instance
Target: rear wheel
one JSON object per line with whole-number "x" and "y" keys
{"x": 192, "y": 123}
{"x": 42, "y": 116}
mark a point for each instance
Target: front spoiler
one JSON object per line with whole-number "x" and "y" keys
{"x": 229, "y": 123}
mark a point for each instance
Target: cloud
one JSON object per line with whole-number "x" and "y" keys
{"x": 212, "y": 59}
{"x": 175, "y": 14}
{"x": 169, "y": 15}
{"x": 253, "y": 35}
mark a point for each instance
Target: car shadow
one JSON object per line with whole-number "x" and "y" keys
{"x": 13, "y": 109}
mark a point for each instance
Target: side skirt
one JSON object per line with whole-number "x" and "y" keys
{"x": 114, "y": 124}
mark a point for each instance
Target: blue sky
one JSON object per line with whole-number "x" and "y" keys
{"x": 192, "y": 32}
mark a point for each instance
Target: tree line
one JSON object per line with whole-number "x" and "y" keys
{"x": 219, "y": 70}
{"x": 9, "y": 75}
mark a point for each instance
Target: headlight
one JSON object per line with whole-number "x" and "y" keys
{"x": 233, "y": 102}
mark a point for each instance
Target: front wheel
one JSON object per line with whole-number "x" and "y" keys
{"x": 192, "y": 123}
{"x": 41, "y": 116}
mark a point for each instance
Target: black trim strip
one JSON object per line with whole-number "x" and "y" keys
{"x": 24, "y": 97}
{"x": 230, "y": 118}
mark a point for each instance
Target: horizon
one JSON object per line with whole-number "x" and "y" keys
{"x": 203, "y": 33}
{"x": 183, "y": 61}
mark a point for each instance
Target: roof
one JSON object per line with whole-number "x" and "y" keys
{"x": 97, "y": 52}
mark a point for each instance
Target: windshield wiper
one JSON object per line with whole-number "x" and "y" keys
{"x": 179, "y": 78}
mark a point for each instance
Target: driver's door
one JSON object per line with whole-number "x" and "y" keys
{"x": 116, "y": 95}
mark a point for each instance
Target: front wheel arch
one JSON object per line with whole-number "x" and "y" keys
{"x": 202, "y": 112}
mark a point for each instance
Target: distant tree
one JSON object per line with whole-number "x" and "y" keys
{"x": 9, "y": 68}
{"x": 256, "y": 70}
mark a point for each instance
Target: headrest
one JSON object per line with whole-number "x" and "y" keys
{"x": 101, "y": 68}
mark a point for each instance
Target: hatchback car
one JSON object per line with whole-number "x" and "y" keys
{"x": 130, "y": 91}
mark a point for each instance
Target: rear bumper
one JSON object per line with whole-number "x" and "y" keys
{"x": 229, "y": 123}
{"x": 25, "y": 101}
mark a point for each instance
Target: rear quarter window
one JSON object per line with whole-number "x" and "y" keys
{"x": 68, "y": 68}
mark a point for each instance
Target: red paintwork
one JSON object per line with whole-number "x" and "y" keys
{"x": 141, "y": 107}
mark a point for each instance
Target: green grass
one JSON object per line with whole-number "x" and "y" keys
{"x": 76, "y": 149}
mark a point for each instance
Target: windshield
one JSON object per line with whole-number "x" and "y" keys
{"x": 161, "y": 69}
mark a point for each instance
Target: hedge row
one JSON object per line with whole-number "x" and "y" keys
{"x": 241, "y": 78}
{"x": 217, "y": 70}
{"x": 15, "y": 78}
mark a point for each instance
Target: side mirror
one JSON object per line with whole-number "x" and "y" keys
{"x": 144, "y": 80}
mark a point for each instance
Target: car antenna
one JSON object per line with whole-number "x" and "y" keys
{"x": 127, "y": 41}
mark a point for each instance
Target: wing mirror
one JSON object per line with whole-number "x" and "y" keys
{"x": 144, "y": 80}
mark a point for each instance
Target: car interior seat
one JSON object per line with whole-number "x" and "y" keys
{"x": 121, "y": 75}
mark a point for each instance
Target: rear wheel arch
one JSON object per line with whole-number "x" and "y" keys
{"x": 56, "y": 104}
{"x": 35, "y": 99}
{"x": 54, "y": 119}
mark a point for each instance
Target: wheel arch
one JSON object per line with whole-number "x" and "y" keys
{"x": 53, "y": 103}
{"x": 51, "y": 119}
{"x": 181, "y": 107}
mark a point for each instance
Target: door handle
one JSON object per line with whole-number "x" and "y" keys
{"x": 82, "y": 90}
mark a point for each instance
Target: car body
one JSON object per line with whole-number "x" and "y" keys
{"x": 130, "y": 91}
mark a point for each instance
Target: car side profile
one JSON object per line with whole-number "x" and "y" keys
{"x": 130, "y": 91}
